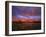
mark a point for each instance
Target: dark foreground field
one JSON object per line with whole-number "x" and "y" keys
{"x": 26, "y": 26}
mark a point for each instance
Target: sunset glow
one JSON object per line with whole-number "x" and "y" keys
{"x": 26, "y": 13}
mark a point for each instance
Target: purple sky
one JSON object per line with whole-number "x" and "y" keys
{"x": 25, "y": 11}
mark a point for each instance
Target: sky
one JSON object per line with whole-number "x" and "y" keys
{"x": 26, "y": 12}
